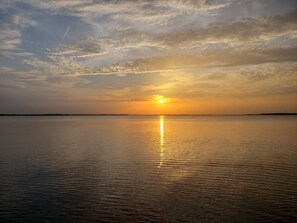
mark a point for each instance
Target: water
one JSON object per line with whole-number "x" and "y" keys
{"x": 148, "y": 169}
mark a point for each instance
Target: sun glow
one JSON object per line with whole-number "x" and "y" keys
{"x": 161, "y": 99}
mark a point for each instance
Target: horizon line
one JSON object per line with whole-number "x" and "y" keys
{"x": 123, "y": 114}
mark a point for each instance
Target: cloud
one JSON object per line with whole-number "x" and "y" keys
{"x": 11, "y": 28}
{"x": 10, "y": 39}
{"x": 129, "y": 37}
{"x": 131, "y": 49}
{"x": 235, "y": 31}
{"x": 177, "y": 62}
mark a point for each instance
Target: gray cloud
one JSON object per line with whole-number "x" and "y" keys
{"x": 190, "y": 62}
{"x": 11, "y": 28}
{"x": 238, "y": 42}
{"x": 242, "y": 30}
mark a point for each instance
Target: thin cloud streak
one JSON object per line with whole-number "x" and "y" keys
{"x": 66, "y": 32}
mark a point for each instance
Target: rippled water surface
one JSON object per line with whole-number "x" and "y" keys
{"x": 148, "y": 169}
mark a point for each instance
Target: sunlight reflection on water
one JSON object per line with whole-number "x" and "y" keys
{"x": 162, "y": 149}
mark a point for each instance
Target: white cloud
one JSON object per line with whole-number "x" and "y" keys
{"x": 11, "y": 28}
{"x": 10, "y": 39}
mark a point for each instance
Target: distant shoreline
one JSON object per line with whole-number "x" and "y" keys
{"x": 259, "y": 114}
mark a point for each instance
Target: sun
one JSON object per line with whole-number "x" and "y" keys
{"x": 160, "y": 99}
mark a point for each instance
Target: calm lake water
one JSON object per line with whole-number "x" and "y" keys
{"x": 148, "y": 169}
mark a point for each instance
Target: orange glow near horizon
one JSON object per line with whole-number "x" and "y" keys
{"x": 192, "y": 105}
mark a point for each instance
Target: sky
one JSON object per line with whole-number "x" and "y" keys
{"x": 148, "y": 57}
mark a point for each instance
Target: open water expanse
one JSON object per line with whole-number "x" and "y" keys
{"x": 148, "y": 169}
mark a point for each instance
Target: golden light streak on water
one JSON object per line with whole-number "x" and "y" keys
{"x": 161, "y": 141}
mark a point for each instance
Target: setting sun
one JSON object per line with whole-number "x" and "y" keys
{"x": 160, "y": 99}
